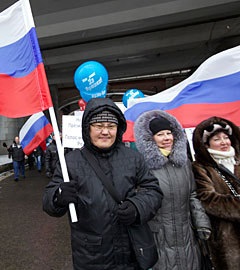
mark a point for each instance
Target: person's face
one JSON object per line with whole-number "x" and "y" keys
{"x": 164, "y": 139}
{"x": 17, "y": 140}
{"x": 220, "y": 142}
{"x": 103, "y": 135}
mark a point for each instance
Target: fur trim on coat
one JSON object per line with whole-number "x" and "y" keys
{"x": 220, "y": 204}
{"x": 150, "y": 150}
{"x": 181, "y": 210}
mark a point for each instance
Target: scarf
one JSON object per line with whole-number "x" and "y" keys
{"x": 165, "y": 152}
{"x": 226, "y": 158}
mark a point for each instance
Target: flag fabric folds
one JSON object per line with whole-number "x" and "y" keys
{"x": 213, "y": 89}
{"x": 23, "y": 84}
{"x": 34, "y": 132}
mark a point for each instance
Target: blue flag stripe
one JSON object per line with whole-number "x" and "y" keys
{"x": 22, "y": 57}
{"x": 33, "y": 130}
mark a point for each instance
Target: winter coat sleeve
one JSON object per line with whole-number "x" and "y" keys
{"x": 212, "y": 192}
{"x": 49, "y": 195}
{"x": 148, "y": 195}
{"x": 199, "y": 217}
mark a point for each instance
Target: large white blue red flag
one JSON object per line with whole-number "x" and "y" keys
{"x": 212, "y": 90}
{"x": 34, "y": 132}
{"x": 23, "y": 84}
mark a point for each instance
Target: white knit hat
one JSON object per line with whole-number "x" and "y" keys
{"x": 210, "y": 130}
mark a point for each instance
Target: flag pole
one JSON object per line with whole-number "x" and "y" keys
{"x": 62, "y": 159}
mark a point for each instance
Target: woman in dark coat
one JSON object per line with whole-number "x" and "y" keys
{"x": 216, "y": 143}
{"x": 160, "y": 138}
{"x": 100, "y": 238}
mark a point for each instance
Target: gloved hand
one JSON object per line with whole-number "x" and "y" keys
{"x": 4, "y": 145}
{"x": 127, "y": 213}
{"x": 203, "y": 233}
{"x": 66, "y": 194}
{"x": 49, "y": 174}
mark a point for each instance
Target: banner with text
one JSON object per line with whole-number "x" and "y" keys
{"x": 72, "y": 131}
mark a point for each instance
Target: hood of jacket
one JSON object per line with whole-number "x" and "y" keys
{"x": 148, "y": 147}
{"x": 201, "y": 153}
{"x": 95, "y": 106}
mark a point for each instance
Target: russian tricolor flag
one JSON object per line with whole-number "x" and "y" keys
{"x": 23, "y": 85}
{"x": 34, "y": 132}
{"x": 212, "y": 90}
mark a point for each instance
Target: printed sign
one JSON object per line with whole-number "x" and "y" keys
{"x": 72, "y": 130}
{"x": 189, "y": 133}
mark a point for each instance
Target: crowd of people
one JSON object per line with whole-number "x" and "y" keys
{"x": 191, "y": 206}
{"x": 40, "y": 158}
{"x": 151, "y": 206}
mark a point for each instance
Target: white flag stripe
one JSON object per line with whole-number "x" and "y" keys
{"x": 219, "y": 65}
{"x": 28, "y": 124}
{"x": 14, "y": 25}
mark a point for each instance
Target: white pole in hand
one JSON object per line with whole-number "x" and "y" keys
{"x": 62, "y": 160}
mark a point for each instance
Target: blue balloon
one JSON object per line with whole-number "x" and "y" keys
{"x": 131, "y": 94}
{"x": 91, "y": 79}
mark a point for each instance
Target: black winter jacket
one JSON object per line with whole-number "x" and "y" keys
{"x": 38, "y": 151}
{"x": 16, "y": 152}
{"x": 51, "y": 157}
{"x": 99, "y": 241}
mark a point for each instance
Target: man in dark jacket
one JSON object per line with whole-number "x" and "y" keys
{"x": 51, "y": 158}
{"x": 15, "y": 152}
{"x": 100, "y": 238}
{"x": 39, "y": 157}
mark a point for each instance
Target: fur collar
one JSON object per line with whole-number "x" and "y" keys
{"x": 147, "y": 146}
{"x": 201, "y": 153}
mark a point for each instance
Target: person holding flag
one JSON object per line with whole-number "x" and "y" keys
{"x": 100, "y": 238}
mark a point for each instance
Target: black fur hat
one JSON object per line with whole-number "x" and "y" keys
{"x": 158, "y": 124}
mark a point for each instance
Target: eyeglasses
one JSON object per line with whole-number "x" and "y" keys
{"x": 100, "y": 127}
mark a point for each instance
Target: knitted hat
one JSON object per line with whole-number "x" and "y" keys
{"x": 158, "y": 124}
{"x": 211, "y": 130}
{"x": 104, "y": 116}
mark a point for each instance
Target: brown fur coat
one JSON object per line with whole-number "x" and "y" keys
{"x": 220, "y": 204}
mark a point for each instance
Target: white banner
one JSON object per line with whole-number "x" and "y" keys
{"x": 189, "y": 133}
{"x": 72, "y": 130}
